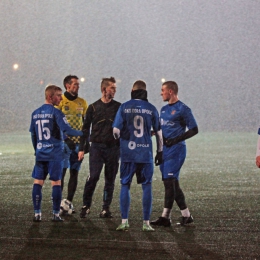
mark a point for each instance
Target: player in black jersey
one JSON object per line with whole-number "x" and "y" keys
{"x": 104, "y": 149}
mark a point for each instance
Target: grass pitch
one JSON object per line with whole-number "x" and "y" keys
{"x": 220, "y": 181}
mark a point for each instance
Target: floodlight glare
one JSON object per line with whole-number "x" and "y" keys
{"x": 15, "y": 66}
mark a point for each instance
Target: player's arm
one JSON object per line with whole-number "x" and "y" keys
{"x": 257, "y": 159}
{"x": 116, "y": 133}
{"x": 86, "y": 128}
{"x": 64, "y": 125}
{"x": 159, "y": 154}
{"x": 34, "y": 140}
{"x": 118, "y": 124}
{"x": 188, "y": 134}
{"x": 188, "y": 121}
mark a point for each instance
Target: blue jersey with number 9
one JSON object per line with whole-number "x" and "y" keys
{"x": 135, "y": 119}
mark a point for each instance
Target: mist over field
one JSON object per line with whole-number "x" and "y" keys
{"x": 210, "y": 48}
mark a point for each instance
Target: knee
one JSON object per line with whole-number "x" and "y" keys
{"x": 40, "y": 182}
{"x": 56, "y": 183}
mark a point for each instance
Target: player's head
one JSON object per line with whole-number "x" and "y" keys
{"x": 108, "y": 87}
{"x": 71, "y": 84}
{"x": 139, "y": 84}
{"x": 53, "y": 95}
{"x": 169, "y": 91}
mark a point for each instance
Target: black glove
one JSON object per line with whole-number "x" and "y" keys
{"x": 70, "y": 144}
{"x": 171, "y": 142}
{"x": 86, "y": 148}
{"x": 158, "y": 158}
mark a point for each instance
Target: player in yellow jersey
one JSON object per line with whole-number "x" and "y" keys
{"x": 74, "y": 109}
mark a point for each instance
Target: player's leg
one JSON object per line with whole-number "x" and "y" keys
{"x": 170, "y": 169}
{"x": 180, "y": 201}
{"x": 55, "y": 171}
{"x": 74, "y": 171}
{"x": 39, "y": 174}
{"x": 95, "y": 167}
{"x": 127, "y": 171}
{"x": 169, "y": 194}
{"x": 147, "y": 172}
{"x": 111, "y": 168}
{"x": 179, "y": 195}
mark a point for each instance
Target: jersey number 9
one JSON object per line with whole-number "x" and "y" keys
{"x": 139, "y": 125}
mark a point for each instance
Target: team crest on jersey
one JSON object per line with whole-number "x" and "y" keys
{"x": 173, "y": 112}
{"x": 66, "y": 108}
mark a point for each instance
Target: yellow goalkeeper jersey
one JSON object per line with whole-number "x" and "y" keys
{"x": 74, "y": 111}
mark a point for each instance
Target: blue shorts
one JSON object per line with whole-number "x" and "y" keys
{"x": 71, "y": 158}
{"x": 41, "y": 170}
{"x": 170, "y": 168}
{"x": 128, "y": 169}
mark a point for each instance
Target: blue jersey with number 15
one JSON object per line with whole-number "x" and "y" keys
{"x": 135, "y": 119}
{"x": 47, "y": 127}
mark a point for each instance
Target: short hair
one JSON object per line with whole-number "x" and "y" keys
{"x": 105, "y": 82}
{"x": 50, "y": 90}
{"x": 139, "y": 84}
{"x": 67, "y": 80}
{"x": 171, "y": 85}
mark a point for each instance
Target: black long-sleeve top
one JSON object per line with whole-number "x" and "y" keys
{"x": 99, "y": 117}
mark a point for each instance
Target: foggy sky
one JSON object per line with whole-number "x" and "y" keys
{"x": 210, "y": 48}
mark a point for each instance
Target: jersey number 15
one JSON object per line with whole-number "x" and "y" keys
{"x": 43, "y": 131}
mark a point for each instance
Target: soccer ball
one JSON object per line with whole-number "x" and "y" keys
{"x": 66, "y": 207}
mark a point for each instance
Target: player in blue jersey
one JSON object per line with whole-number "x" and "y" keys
{"x": 257, "y": 157}
{"x": 175, "y": 118}
{"x": 48, "y": 125}
{"x": 133, "y": 123}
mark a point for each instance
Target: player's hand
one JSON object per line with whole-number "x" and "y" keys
{"x": 70, "y": 144}
{"x": 158, "y": 158}
{"x": 80, "y": 155}
{"x": 257, "y": 161}
{"x": 170, "y": 142}
{"x": 86, "y": 148}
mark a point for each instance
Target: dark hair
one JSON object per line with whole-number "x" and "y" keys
{"x": 139, "y": 84}
{"x": 105, "y": 82}
{"x": 67, "y": 80}
{"x": 171, "y": 85}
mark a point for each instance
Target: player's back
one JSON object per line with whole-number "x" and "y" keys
{"x": 44, "y": 125}
{"x": 138, "y": 117}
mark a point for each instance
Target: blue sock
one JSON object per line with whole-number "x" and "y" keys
{"x": 125, "y": 201}
{"x": 56, "y": 198}
{"x": 37, "y": 197}
{"x": 147, "y": 200}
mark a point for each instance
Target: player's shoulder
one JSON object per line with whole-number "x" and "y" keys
{"x": 96, "y": 103}
{"x": 152, "y": 106}
{"x": 116, "y": 103}
{"x": 58, "y": 112}
{"x": 183, "y": 105}
{"x": 81, "y": 99}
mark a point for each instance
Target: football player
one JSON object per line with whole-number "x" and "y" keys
{"x": 133, "y": 123}
{"x": 175, "y": 118}
{"x": 74, "y": 108}
{"x": 48, "y": 125}
{"x": 257, "y": 159}
{"x": 104, "y": 150}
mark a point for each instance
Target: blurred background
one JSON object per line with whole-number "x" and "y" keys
{"x": 210, "y": 48}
